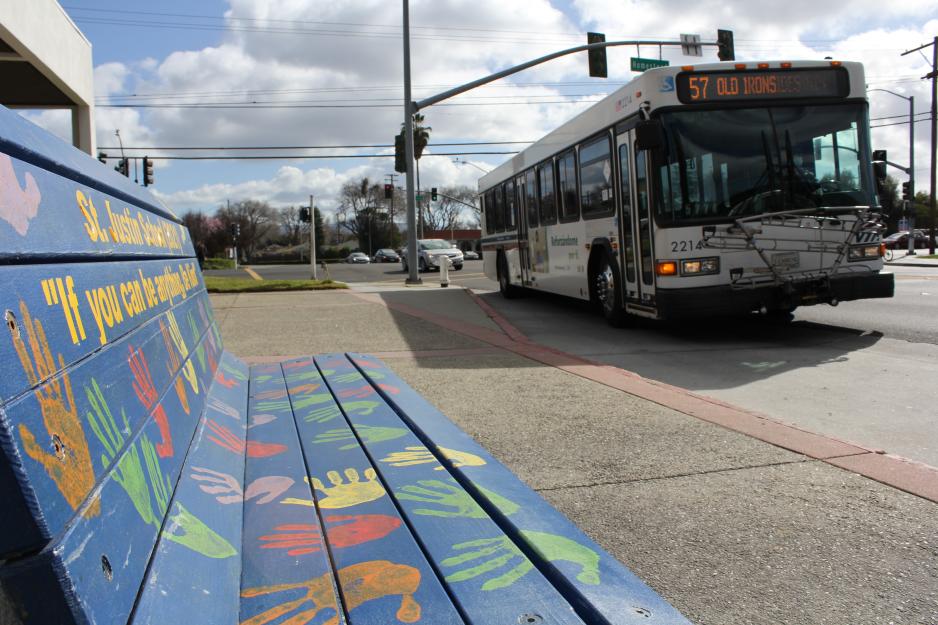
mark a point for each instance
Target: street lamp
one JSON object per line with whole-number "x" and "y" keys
{"x": 911, "y": 169}
{"x": 465, "y": 162}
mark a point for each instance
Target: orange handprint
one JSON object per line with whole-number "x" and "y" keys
{"x": 359, "y": 583}
{"x": 69, "y": 465}
{"x": 146, "y": 393}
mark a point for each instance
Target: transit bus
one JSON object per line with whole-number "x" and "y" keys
{"x": 713, "y": 189}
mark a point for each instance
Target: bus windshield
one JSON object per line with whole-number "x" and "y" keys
{"x": 731, "y": 163}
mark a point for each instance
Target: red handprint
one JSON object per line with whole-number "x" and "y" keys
{"x": 226, "y": 382}
{"x": 357, "y": 393}
{"x": 277, "y": 394}
{"x": 368, "y": 364}
{"x": 232, "y": 442}
{"x": 306, "y": 538}
{"x": 393, "y": 390}
{"x": 305, "y": 389}
{"x": 146, "y": 393}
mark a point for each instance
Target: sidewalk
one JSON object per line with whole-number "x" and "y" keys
{"x": 903, "y": 259}
{"x": 728, "y": 528}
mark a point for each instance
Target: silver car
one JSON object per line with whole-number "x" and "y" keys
{"x": 431, "y": 252}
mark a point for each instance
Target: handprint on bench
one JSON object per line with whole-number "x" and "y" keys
{"x": 343, "y": 531}
{"x": 222, "y": 436}
{"x": 368, "y": 434}
{"x": 342, "y": 494}
{"x": 553, "y": 548}
{"x": 227, "y": 488}
{"x": 486, "y": 555}
{"x": 452, "y": 500}
{"x": 69, "y": 463}
{"x": 148, "y": 396}
{"x": 360, "y": 583}
{"x": 421, "y": 455}
{"x": 18, "y": 205}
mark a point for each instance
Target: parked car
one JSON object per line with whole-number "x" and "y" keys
{"x": 470, "y": 255}
{"x": 900, "y": 240}
{"x": 430, "y": 253}
{"x": 386, "y": 256}
{"x": 357, "y": 257}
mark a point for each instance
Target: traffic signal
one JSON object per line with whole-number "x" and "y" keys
{"x": 123, "y": 167}
{"x": 147, "y": 171}
{"x": 879, "y": 165}
{"x": 906, "y": 191}
{"x": 433, "y": 194}
{"x": 304, "y": 214}
{"x": 235, "y": 230}
{"x": 597, "y": 57}
{"x": 725, "y": 49}
{"x": 400, "y": 158}
{"x": 388, "y": 191}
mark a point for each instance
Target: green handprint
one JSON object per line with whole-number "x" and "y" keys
{"x": 553, "y": 547}
{"x": 200, "y": 350}
{"x": 361, "y": 408}
{"x": 196, "y": 535}
{"x": 233, "y": 372}
{"x": 503, "y": 552}
{"x": 345, "y": 378}
{"x": 368, "y": 434}
{"x": 441, "y": 493}
{"x": 298, "y": 402}
{"x": 321, "y": 415}
{"x": 308, "y": 375}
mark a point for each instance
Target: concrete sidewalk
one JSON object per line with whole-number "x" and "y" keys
{"x": 683, "y": 490}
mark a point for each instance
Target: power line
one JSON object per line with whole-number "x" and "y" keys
{"x": 328, "y": 106}
{"x": 307, "y": 156}
{"x": 314, "y": 147}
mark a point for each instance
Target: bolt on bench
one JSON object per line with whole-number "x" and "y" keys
{"x": 148, "y": 476}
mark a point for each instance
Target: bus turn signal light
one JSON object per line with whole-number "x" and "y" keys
{"x": 666, "y": 268}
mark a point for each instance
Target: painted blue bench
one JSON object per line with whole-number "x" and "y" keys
{"x": 148, "y": 476}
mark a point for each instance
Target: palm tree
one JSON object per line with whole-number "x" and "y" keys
{"x": 421, "y": 139}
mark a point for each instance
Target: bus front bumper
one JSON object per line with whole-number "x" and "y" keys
{"x": 726, "y": 300}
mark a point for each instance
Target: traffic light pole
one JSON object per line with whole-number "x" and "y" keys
{"x": 312, "y": 238}
{"x": 911, "y": 169}
{"x": 409, "y": 109}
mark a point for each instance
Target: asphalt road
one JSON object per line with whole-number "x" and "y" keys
{"x": 863, "y": 371}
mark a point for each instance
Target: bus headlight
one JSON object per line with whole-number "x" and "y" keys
{"x": 863, "y": 252}
{"x": 700, "y": 266}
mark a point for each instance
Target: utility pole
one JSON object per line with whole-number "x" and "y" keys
{"x": 933, "y": 74}
{"x": 312, "y": 237}
{"x": 409, "y": 110}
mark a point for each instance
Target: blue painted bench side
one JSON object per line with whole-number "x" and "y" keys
{"x": 195, "y": 571}
{"x": 601, "y": 588}
{"x": 21, "y": 139}
{"x": 383, "y": 575}
{"x": 53, "y": 439}
{"x": 91, "y": 572}
{"x": 493, "y": 581}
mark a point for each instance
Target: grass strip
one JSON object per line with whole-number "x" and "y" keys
{"x": 220, "y": 284}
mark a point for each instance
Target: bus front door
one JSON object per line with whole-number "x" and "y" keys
{"x": 636, "y": 262}
{"x": 524, "y": 248}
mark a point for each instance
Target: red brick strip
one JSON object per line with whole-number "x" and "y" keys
{"x": 906, "y": 475}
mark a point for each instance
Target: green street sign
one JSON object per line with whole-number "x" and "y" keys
{"x": 419, "y": 197}
{"x": 640, "y": 64}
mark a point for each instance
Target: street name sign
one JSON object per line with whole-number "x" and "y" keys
{"x": 640, "y": 65}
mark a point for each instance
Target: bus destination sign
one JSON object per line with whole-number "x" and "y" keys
{"x": 740, "y": 85}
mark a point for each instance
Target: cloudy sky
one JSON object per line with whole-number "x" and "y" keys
{"x": 301, "y": 73}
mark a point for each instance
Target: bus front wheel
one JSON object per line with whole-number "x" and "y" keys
{"x": 606, "y": 287}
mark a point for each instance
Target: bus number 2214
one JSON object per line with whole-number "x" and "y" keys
{"x": 686, "y": 246}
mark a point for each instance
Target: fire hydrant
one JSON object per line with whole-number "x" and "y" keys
{"x": 444, "y": 270}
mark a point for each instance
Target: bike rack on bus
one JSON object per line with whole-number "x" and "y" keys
{"x": 744, "y": 233}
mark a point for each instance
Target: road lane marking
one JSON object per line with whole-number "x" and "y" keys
{"x": 252, "y": 273}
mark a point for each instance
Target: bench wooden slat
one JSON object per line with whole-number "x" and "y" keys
{"x": 57, "y": 297}
{"x": 602, "y": 588}
{"x": 383, "y": 575}
{"x": 27, "y": 142}
{"x": 195, "y": 571}
{"x": 492, "y": 580}
{"x": 284, "y": 554}
{"x": 54, "y": 436}
{"x": 92, "y": 572}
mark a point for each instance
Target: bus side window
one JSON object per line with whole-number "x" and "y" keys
{"x": 530, "y": 198}
{"x": 566, "y": 172}
{"x": 511, "y": 206}
{"x": 596, "y": 177}
{"x": 489, "y": 212}
{"x": 545, "y": 179}
{"x": 628, "y": 239}
{"x": 499, "y": 209}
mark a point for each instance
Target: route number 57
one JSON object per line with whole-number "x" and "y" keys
{"x": 698, "y": 87}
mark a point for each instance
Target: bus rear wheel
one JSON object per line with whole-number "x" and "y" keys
{"x": 606, "y": 289}
{"x": 505, "y": 287}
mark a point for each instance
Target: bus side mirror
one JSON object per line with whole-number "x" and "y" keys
{"x": 649, "y": 135}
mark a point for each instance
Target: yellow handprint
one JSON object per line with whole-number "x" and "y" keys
{"x": 188, "y": 369}
{"x": 422, "y": 455}
{"x": 69, "y": 464}
{"x": 343, "y": 494}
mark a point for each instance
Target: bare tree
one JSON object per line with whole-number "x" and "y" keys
{"x": 455, "y": 209}
{"x": 363, "y": 213}
{"x": 294, "y": 229}
{"x": 255, "y": 220}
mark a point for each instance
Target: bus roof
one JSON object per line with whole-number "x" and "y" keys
{"x": 656, "y": 87}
